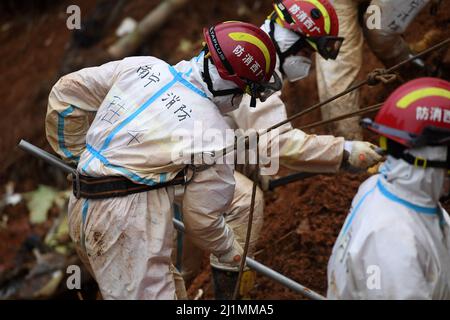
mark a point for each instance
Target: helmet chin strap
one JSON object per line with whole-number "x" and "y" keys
{"x": 398, "y": 151}
{"x": 294, "y": 49}
{"x": 253, "y": 102}
{"x": 207, "y": 78}
{"x": 216, "y": 93}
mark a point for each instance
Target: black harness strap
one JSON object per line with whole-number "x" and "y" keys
{"x": 207, "y": 78}
{"x": 116, "y": 186}
{"x": 398, "y": 151}
{"x": 424, "y": 163}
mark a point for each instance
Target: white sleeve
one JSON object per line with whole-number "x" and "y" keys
{"x": 297, "y": 150}
{"x": 72, "y": 104}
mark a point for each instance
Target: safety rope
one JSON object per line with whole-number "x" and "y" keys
{"x": 250, "y": 220}
{"x": 375, "y": 77}
{"x": 362, "y": 111}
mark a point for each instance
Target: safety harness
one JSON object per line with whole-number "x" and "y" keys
{"x": 118, "y": 186}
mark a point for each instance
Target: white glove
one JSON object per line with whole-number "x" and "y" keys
{"x": 234, "y": 256}
{"x": 362, "y": 154}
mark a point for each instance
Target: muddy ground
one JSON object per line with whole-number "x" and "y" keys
{"x": 302, "y": 220}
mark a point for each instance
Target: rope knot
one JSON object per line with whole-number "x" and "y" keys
{"x": 380, "y": 75}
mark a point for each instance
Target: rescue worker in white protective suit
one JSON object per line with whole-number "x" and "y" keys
{"x": 395, "y": 243}
{"x": 296, "y": 40}
{"x": 385, "y": 41}
{"x": 131, "y": 157}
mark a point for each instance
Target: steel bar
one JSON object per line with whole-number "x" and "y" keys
{"x": 275, "y": 183}
{"x": 47, "y": 157}
{"x": 270, "y": 273}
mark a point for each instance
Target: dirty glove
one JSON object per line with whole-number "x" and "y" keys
{"x": 234, "y": 256}
{"x": 361, "y": 155}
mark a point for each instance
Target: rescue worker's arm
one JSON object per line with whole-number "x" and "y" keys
{"x": 72, "y": 104}
{"x": 298, "y": 150}
{"x": 205, "y": 200}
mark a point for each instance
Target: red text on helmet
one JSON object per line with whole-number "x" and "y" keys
{"x": 248, "y": 60}
{"x": 304, "y": 18}
{"x": 435, "y": 114}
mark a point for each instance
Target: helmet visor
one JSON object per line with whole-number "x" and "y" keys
{"x": 430, "y": 136}
{"x": 328, "y": 47}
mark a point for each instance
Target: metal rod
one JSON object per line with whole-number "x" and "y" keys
{"x": 272, "y": 274}
{"x": 283, "y": 280}
{"x": 275, "y": 183}
{"x": 47, "y": 157}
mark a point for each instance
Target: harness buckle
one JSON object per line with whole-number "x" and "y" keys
{"x": 420, "y": 162}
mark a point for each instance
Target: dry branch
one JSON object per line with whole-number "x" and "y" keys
{"x": 128, "y": 44}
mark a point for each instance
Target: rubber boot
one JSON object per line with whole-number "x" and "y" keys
{"x": 224, "y": 283}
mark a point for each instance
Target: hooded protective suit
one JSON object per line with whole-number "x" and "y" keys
{"x": 335, "y": 76}
{"x": 138, "y": 106}
{"x": 395, "y": 243}
{"x": 297, "y": 150}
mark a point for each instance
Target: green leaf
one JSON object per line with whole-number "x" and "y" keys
{"x": 39, "y": 202}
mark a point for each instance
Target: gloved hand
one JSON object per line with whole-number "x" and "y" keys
{"x": 362, "y": 155}
{"x": 234, "y": 256}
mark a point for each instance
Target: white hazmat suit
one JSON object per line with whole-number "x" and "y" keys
{"x": 395, "y": 243}
{"x": 137, "y": 106}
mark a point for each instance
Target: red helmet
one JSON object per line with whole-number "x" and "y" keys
{"x": 416, "y": 114}
{"x": 315, "y": 20}
{"x": 245, "y": 55}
